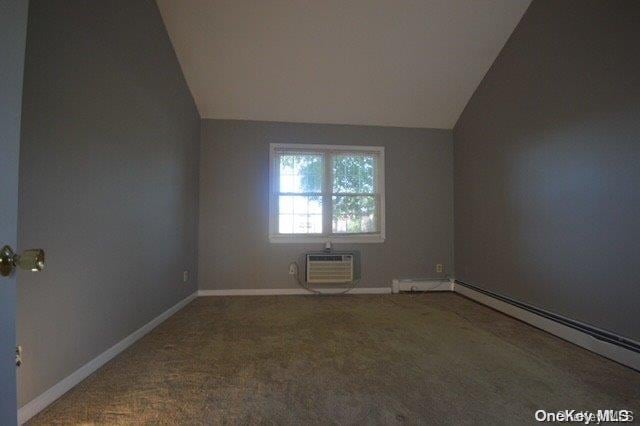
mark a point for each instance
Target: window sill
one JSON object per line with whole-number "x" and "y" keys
{"x": 320, "y": 239}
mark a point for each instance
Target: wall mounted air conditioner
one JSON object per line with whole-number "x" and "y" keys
{"x": 327, "y": 268}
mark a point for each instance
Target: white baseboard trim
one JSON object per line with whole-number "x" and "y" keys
{"x": 291, "y": 291}
{"x": 56, "y": 391}
{"x": 421, "y": 285}
{"x": 254, "y": 292}
{"x": 585, "y": 340}
{"x": 361, "y": 290}
{"x": 601, "y": 347}
{"x": 608, "y": 350}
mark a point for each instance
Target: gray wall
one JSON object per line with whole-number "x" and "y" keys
{"x": 108, "y": 182}
{"x": 234, "y": 250}
{"x": 547, "y": 166}
{"x": 13, "y": 29}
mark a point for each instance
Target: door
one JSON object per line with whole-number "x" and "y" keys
{"x": 13, "y": 28}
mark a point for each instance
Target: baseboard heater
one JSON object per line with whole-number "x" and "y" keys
{"x": 596, "y": 333}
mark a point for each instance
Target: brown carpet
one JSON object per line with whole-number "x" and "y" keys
{"x": 375, "y": 359}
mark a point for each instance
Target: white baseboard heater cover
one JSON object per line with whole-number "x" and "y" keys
{"x": 329, "y": 268}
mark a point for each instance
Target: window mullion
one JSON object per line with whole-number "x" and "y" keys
{"x": 273, "y": 193}
{"x": 326, "y": 190}
{"x": 354, "y": 194}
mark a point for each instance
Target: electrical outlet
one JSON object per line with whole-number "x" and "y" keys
{"x": 185, "y": 276}
{"x": 18, "y": 356}
{"x": 439, "y": 268}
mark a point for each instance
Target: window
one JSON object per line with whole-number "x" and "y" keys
{"x": 322, "y": 193}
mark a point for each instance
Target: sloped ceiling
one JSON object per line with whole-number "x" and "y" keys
{"x": 411, "y": 63}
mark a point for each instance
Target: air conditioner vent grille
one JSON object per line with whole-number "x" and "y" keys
{"x": 325, "y": 269}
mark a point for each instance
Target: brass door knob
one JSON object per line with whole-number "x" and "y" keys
{"x": 30, "y": 260}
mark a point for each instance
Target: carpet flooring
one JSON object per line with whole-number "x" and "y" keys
{"x": 363, "y": 359}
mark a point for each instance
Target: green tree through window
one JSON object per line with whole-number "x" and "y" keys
{"x": 353, "y": 188}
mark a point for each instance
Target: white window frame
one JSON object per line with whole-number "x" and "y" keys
{"x": 327, "y": 236}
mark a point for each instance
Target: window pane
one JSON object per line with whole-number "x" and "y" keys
{"x": 354, "y": 214}
{"x": 301, "y": 173}
{"x": 299, "y": 214}
{"x": 354, "y": 173}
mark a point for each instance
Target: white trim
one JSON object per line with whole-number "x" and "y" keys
{"x": 39, "y": 403}
{"x": 361, "y": 290}
{"x": 326, "y": 150}
{"x": 291, "y": 291}
{"x": 254, "y": 292}
{"x": 421, "y": 285}
{"x": 577, "y": 337}
{"x": 326, "y": 147}
{"x": 334, "y": 239}
{"x": 607, "y": 350}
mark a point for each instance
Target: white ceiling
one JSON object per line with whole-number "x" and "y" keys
{"x": 411, "y": 63}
